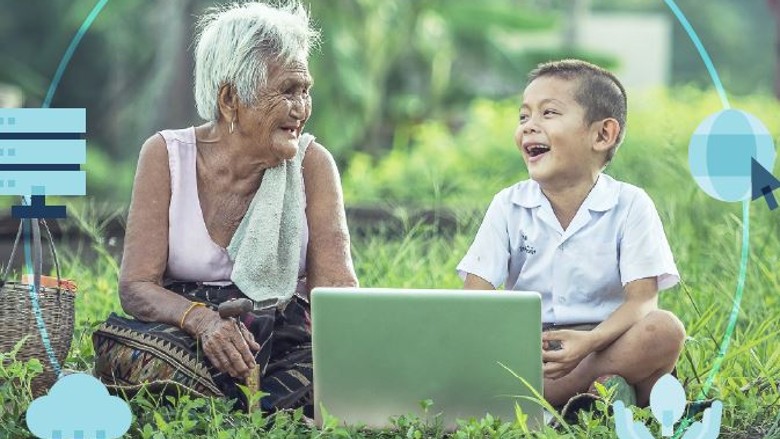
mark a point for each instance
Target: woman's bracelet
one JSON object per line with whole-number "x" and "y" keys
{"x": 193, "y": 305}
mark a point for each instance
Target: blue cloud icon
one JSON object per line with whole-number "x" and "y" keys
{"x": 78, "y": 407}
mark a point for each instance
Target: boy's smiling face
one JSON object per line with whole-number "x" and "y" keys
{"x": 552, "y": 135}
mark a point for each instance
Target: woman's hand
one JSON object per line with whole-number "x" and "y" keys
{"x": 563, "y": 350}
{"x": 227, "y": 344}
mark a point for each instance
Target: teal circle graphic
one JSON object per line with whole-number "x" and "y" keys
{"x": 743, "y": 260}
{"x": 74, "y": 44}
{"x": 721, "y": 151}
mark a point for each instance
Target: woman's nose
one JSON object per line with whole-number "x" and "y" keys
{"x": 298, "y": 106}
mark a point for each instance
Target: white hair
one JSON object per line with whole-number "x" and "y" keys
{"x": 235, "y": 44}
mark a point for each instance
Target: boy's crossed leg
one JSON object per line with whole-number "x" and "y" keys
{"x": 645, "y": 352}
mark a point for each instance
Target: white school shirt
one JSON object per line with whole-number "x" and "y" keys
{"x": 616, "y": 237}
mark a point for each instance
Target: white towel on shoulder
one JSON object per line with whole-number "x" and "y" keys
{"x": 266, "y": 247}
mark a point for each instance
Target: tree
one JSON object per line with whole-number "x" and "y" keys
{"x": 382, "y": 64}
{"x": 386, "y": 65}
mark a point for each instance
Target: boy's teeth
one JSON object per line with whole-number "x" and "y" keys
{"x": 535, "y": 150}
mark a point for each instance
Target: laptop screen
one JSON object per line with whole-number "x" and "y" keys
{"x": 379, "y": 353}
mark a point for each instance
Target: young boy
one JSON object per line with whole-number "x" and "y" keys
{"x": 594, "y": 247}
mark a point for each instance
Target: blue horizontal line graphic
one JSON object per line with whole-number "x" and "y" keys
{"x": 38, "y": 167}
{"x": 40, "y": 136}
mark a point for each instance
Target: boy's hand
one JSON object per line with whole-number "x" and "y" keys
{"x": 563, "y": 350}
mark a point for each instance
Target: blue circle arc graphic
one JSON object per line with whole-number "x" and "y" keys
{"x": 724, "y": 345}
{"x": 27, "y": 250}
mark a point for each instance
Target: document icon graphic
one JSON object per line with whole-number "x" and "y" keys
{"x": 41, "y": 153}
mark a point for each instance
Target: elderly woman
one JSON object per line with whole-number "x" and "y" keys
{"x": 244, "y": 205}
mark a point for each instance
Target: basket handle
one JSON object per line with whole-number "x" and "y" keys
{"x": 13, "y": 253}
{"x": 37, "y": 250}
{"x": 53, "y": 252}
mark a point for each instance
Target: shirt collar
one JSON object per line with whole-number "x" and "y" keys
{"x": 603, "y": 197}
{"x": 528, "y": 195}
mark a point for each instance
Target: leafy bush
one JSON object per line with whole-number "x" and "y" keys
{"x": 465, "y": 164}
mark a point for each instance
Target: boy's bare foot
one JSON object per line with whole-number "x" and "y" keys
{"x": 620, "y": 389}
{"x": 623, "y": 391}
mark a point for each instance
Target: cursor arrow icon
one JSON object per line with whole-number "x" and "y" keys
{"x": 763, "y": 183}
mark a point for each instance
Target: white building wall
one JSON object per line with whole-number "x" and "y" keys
{"x": 642, "y": 43}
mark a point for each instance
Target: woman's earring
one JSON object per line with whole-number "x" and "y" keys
{"x": 231, "y": 127}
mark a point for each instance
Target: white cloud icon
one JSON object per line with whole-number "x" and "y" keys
{"x": 78, "y": 407}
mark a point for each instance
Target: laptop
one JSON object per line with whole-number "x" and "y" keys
{"x": 379, "y": 353}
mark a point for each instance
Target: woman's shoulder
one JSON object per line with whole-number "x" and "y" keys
{"x": 153, "y": 147}
{"x": 318, "y": 159}
{"x": 152, "y": 176}
{"x": 172, "y": 136}
{"x": 153, "y": 157}
{"x": 321, "y": 178}
{"x": 157, "y": 144}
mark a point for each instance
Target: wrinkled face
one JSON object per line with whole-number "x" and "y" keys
{"x": 283, "y": 107}
{"x": 552, "y": 134}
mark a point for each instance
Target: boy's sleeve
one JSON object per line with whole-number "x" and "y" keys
{"x": 488, "y": 256}
{"x": 644, "y": 250}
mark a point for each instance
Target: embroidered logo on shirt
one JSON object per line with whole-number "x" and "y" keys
{"x": 526, "y": 247}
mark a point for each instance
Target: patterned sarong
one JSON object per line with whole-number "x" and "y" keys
{"x": 130, "y": 354}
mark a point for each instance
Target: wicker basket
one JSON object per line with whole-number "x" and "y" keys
{"x": 17, "y": 316}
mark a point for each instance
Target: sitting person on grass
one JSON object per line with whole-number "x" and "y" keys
{"x": 246, "y": 205}
{"x": 594, "y": 247}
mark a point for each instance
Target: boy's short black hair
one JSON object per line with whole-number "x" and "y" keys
{"x": 599, "y": 92}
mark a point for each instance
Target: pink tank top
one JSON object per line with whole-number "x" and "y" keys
{"x": 192, "y": 255}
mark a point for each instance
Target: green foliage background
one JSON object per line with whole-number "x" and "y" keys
{"x": 464, "y": 166}
{"x": 383, "y": 68}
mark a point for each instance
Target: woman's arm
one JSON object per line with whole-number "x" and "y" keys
{"x": 329, "y": 261}
{"x": 146, "y": 242}
{"x": 144, "y": 262}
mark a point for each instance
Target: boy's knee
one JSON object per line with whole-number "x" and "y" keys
{"x": 663, "y": 327}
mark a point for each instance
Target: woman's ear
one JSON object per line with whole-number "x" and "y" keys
{"x": 227, "y": 100}
{"x": 607, "y": 132}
